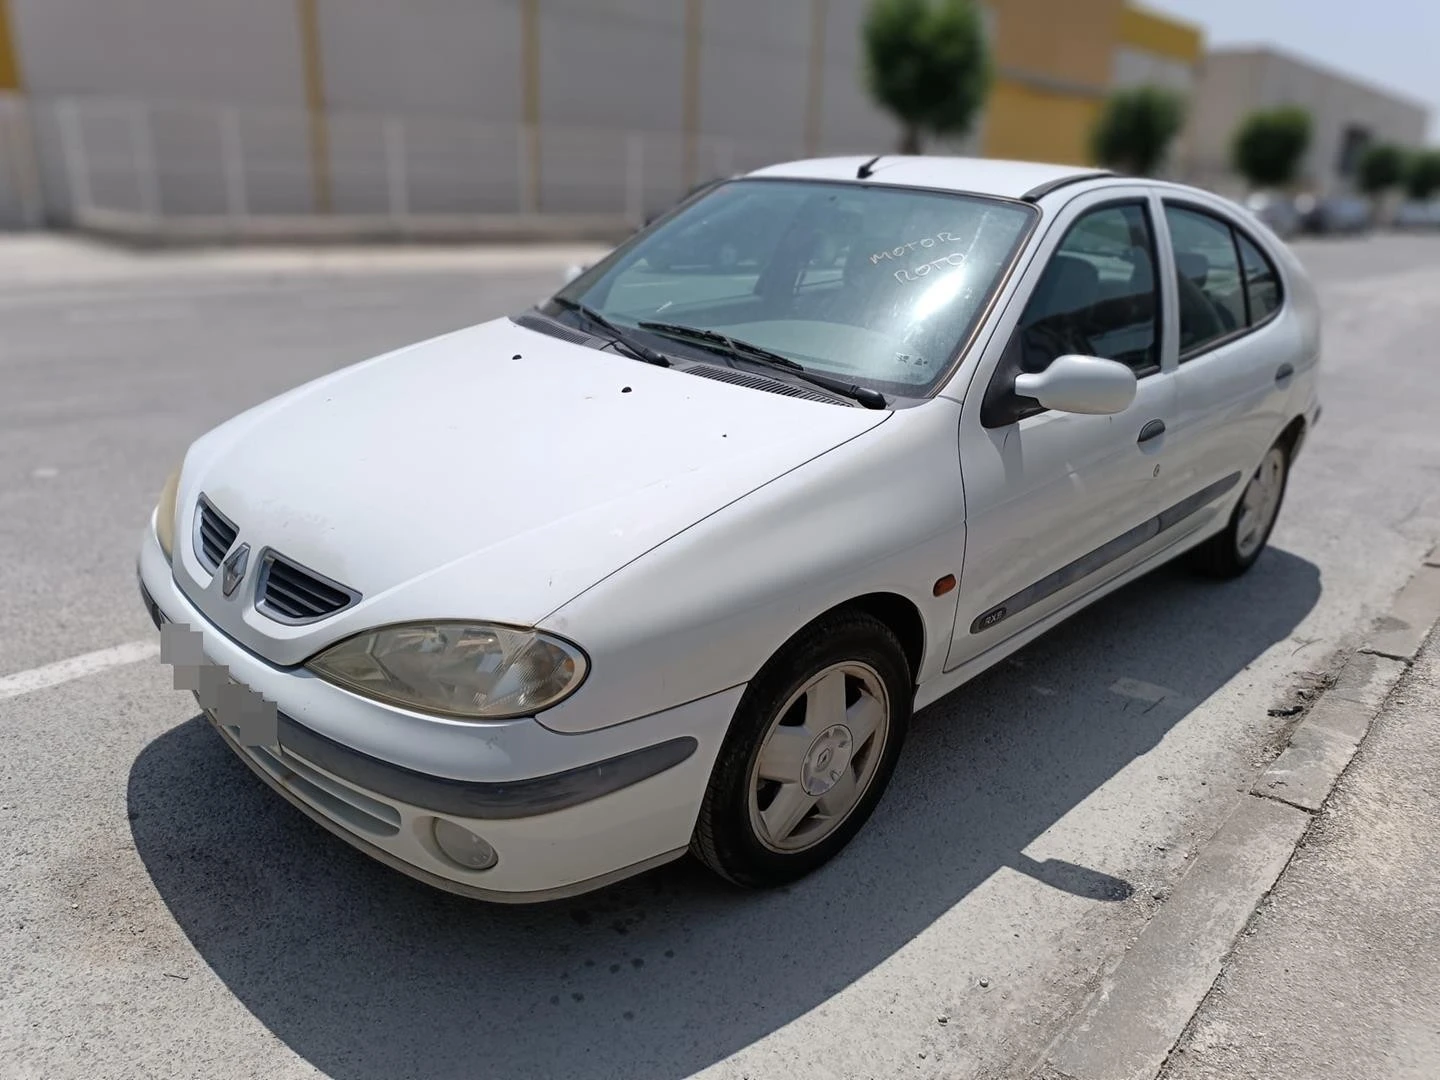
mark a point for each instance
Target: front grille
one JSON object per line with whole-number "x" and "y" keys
{"x": 214, "y": 533}
{"x": 289, "y": 593}
{"x": 330, "y": 796}
{"x": 341, "y": 802}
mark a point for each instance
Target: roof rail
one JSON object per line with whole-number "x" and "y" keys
{"x": 1035, "y": 194}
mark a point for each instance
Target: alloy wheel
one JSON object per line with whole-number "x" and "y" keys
{"x": 1260, "y": 503}
{"x": 819, "y": 757}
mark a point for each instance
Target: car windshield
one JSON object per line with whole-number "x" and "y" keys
{"x": 875, "y": 285}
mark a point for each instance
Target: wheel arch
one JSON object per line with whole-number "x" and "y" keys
{"x": 1293, "y": 437}
{"x": 897, "y": 612}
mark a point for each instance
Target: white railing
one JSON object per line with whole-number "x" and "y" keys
{"x": 173, "y": 161}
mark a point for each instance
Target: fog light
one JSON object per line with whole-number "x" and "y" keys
{"x": 462, "y": 846}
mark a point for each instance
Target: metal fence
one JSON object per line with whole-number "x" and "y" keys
{"x": 166, "y": 161}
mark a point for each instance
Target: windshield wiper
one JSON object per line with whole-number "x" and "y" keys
{"x": 638, "y": 349}
{"x": 755, "y": 354}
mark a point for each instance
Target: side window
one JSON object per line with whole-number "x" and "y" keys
{"x": 1207, "y": 276}
{"x": 1262, "y": 283}
{"x": 1097, "y": 296}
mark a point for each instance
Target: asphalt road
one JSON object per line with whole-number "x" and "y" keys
{"x": 162, "y": 914}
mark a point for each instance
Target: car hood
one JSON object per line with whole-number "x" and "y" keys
{"x": 491, "y": 473}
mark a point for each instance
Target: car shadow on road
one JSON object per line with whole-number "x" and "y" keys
{"x": 370, "y": 976}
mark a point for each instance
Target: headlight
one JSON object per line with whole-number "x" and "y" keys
{"x": 466, "y": 670}
{"x": 165, "y": 514}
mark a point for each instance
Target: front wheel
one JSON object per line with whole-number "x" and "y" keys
{"x": 1234, "y": 550}
{"x": 809, "y": 753}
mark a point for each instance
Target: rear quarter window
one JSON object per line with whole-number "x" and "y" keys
{"x": 1262, "y": 283}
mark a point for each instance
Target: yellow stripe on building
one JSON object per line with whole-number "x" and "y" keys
{"x": 1160, "y": 34}
{"x": 9, "y": 52}
{"x": 690, "y": 99}
{"x": 312, "y": 59}
{"x": 1056, "y": 64}
{"x": 1067, "y": 42}
{"x": 530, "y": 101}
{"x": 1026, "y": 123}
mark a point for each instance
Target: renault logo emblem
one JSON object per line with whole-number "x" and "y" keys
{"x": 234, "y": 569}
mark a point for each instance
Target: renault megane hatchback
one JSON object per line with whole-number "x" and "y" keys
{"x": 666, "y": 563}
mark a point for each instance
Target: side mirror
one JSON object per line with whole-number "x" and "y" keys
{"x": 572, "y": 271}
{"x": 1080, "y": 384}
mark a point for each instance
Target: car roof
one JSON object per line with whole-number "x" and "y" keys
{"x": 980, "y": 176}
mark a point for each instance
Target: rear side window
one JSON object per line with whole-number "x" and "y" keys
{"x": 1262, "y": 284}
{"x": 1207, "y": 273}
{"x": 1224, "y": 281}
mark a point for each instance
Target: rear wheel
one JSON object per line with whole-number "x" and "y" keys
{"x": 1234, "y": 550}
{"x": 809, "y": 753}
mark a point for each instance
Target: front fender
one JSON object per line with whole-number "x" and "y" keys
{"x": 702, "y": 612}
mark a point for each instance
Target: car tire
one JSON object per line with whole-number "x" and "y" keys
{"x": 1233, "y": 550}
{"x": 793, "y": 742}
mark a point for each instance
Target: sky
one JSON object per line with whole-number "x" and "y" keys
{"x": 1390, "y": 43}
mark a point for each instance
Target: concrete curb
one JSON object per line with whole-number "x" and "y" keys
{"x": 1129, "y": 1025}
{"x": 1402, "y": 632}
{"x": 1321, "y": 747}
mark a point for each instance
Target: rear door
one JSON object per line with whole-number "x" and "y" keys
{"x": 1237, "y": 360}
{"x": 1059, "y": 503}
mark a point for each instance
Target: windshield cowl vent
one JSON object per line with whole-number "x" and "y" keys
{"x": 760, "y": 382}
{"x": 546, "y": 325}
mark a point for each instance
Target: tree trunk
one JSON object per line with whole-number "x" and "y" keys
{"x": 910, "y": 140}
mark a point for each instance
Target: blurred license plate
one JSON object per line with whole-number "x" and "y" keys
{"x": 247, "y": 715}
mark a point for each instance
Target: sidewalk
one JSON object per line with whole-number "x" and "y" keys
{"x": 47, "y": 258}
{"x": 1338, "y": 975}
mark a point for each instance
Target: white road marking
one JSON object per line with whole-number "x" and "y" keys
{"x": 77, "y": 667}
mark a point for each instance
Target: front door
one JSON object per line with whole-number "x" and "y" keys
{"x": 1059, "y": 503}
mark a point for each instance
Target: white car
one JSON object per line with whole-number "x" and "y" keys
{"x": 666, "y": 563}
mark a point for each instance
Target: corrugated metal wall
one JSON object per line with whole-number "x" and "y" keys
{"x": 215, "y": 75}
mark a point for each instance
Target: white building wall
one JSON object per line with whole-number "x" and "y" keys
{"x": 1136, "y": 67}
{"x": 1234, "y": 83}
{"x": 172, "y": 51}
{"x": 851, "y": 121}
{"x": 431, "y": 90}
{"x": 441, "y": 80}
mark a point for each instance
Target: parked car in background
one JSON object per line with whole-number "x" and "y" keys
{"x": 666, "y": 563}
{"x": 1334, "y": 214}
{"x": 1278, "y": 212}
{"x": 1417, "y": 215}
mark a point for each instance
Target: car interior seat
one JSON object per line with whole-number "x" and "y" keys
{"x": 1200, "y": 316}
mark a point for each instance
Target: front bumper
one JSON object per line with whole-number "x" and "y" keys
{"x": 564, "y": 813}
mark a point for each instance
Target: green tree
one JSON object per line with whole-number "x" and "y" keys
{"x": 927, "y": 62}
{"x": 1382, "y": 167}
{"x": 1135, "y": 128}
{"x": 1422, "y": 176}
{"x": 1269, "y": 144}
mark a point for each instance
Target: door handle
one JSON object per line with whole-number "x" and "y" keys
{"x": 1284, "y": 372}
{"x": 1153, "y": 430}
